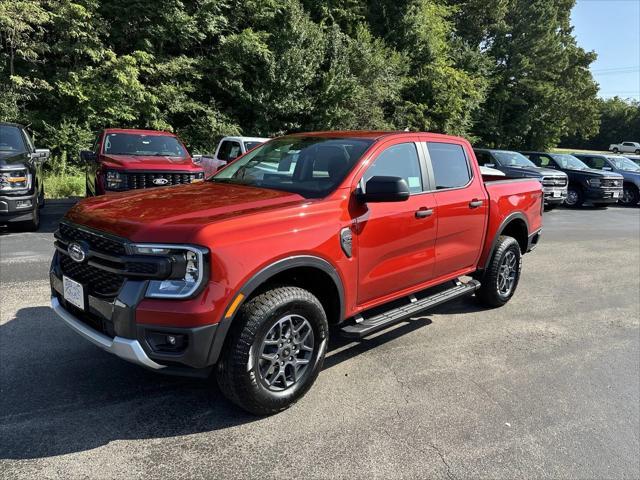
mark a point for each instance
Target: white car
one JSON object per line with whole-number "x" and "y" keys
{"x": 625, "y": 147}
{"x": 228, "y": 150}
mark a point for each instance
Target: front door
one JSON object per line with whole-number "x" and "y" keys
{"x": 396, "y": 240}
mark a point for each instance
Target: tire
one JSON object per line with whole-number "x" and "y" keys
{"x": 34, "y": 224}
{"x": 257, "y": 384}
{"x": 630, "y": 195}
{"x": 637, "y": 152}
{"x": 615, "y": 150}
{"x": 575, "y": 197}
{"x": 493, "y": 291}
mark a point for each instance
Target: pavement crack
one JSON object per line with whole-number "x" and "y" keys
{"x": 444, "y": 460}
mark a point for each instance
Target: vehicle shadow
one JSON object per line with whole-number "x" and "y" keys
{"x": 50, "y": 216}
{"x": 60, "y": 394}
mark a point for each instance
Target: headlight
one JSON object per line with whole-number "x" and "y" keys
{"x": 188, "y": 272}
{"x": 114, "y": 180}
{"x": 15, "y": 180}
{"x": 594, "y": 182}
{"x": 198, "y": 177}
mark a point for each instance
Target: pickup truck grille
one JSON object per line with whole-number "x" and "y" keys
{"x": 99, "y": 282}
{"x": 611, "y": 182}
{"x": 137, "y": 180}
{"x": 554, "y": 181}
{"x": 100, "y": 243}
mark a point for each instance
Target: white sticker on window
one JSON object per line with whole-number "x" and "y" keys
{"x": 414, "y": 182}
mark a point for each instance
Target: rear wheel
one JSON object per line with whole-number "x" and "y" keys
{"x": 615, "y": 150}
{"x": 275, "y": 352}
{"x": 575, "y": 197}
{"x": 637, "y": 152}
{"x": 500, "y": 280}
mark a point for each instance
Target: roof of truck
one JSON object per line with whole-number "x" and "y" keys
{"x": 369, "y": 134}
{"x": 139, "y": 131}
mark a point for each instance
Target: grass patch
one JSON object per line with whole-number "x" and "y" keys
{"x": 64, "y": 186}
{"x": 578, "y": 150}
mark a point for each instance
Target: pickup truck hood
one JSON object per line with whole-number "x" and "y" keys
{"x": 172, "y": 214}
{"x": 592, "y": 172}
{"x": 531, "y": 172}
{"x": 15, "y": 159}
{"x": 148, "y": 162}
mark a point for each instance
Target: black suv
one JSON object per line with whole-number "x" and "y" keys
{"x": 21, "y": 188}
{"x": 516, "y": 165}
{"x": 586, "y": 185}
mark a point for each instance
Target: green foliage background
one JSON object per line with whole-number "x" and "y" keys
{"x": 505, "y": 73}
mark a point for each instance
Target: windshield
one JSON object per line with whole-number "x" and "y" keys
{"x": 513, "y": 159}
{"x": 310, "y": 166}
{"x": 11, "y": 141}
{"x": 569, "y": 161}
{"x": 623, "y": 163}
{"x": 250, "y": 145}
{"x": 139, "y": 144}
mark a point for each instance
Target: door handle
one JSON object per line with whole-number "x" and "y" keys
{"x": 475, "y": 203}
{"x": 424, "y": 212}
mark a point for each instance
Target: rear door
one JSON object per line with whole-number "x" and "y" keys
{"x": 462, "y": 204}
{"x": 396, "y": 240}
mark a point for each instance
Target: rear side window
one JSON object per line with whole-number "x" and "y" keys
{"x": 450, "y": 166}
{"x": 398, "y": 161}
{"x": 594, "y": 162}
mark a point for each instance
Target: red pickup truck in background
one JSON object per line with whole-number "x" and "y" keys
{"x": 243, "y": 274}
{"x": 129, "y": 159}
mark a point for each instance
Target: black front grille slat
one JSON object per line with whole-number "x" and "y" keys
{"x": 554, "y": 181}
{"x": 99, "y": 282}
{"x": 137, "y": 180}
{"x": 611, "y": 182}
{"x": 96, "y": 242}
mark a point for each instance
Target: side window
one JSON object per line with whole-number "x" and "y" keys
{"x": 483, "y": 158}
{"x": 594, "y": 162}
{"x": 450, "y": 166}
{"x": 398, "y": 161}
{"x": 225, "y": 149}
{"x": 96, "y": 144}
{"x": 542, "y": 161}
{"x": 234, "y": 151}
{"x": 28, "y": 141}
{"x": 628, "y": 144}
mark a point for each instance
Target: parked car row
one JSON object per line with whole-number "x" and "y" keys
{"x": 571, "y": 179}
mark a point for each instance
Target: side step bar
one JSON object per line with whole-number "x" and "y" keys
{"x": 379, "y": 321}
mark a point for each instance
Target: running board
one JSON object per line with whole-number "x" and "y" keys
{"x": 367, "y": 325}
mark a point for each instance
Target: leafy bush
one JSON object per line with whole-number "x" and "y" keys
{"x": 63, "y": 186}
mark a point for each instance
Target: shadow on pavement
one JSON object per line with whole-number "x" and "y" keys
{"x": 61, "y": 394}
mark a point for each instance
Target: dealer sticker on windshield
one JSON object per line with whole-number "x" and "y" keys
{"x": 73, "y": 292}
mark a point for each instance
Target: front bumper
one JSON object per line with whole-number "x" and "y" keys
{"x": 110, "y": 323}
{"x": 554, "y": 195}
{"x": 602, "y": 195}
{"x": 10, "y": 212}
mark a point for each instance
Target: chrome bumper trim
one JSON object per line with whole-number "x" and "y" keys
{"x": 125, "y": 348}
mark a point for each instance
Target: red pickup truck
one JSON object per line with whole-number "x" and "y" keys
{"x": 243, "y": 274}
{"x": 129, "y": 159}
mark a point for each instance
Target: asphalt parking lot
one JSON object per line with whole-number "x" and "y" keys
{"x": 546, "y": 387}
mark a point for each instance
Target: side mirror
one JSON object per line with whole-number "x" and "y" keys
{"x": 385, "y": 189}
{"x": 490, "y": 165}
{"x": 197, "y": 159}
{"x": 88, "y": 156}
{"x": 607, "y": 168}
{"x": 41, "y": 154}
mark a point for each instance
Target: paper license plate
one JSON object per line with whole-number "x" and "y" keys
{"x": 73, "y": 292}
{"x": 616, "y": 194}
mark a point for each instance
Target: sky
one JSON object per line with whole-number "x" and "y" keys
{"x": 611, "y": 28}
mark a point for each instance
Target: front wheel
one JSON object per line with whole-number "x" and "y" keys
{"x": 275, "y": 352}
{"x": 638, "y": 151}
{"x": 500, "y": 280}
{"x": 575, "y": 198}
{"x": 630, "y": 195}
{"x": 615, "y": 150}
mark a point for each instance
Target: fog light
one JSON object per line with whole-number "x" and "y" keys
{"x": 167, "y": 342}
{"x": 23, "y": 204}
